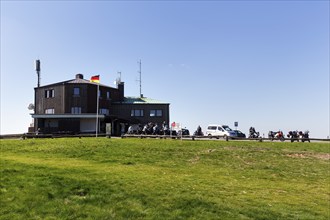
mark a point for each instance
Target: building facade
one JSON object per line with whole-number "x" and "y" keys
{"x": 71, "y": 107}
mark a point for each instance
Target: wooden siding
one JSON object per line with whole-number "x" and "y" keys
{"x": 64, "y": 99}
{"x": 56, "y": 102}
{"x": 124, "y": 111}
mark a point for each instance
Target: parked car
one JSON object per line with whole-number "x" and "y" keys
{"x": 183, "y": 131}
{"x": 220, "y": 131}
{"x": 240, "y": 134}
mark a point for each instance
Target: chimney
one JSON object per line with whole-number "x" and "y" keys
{"x": 121, "y": 90}
{"x": 79, "y": 76}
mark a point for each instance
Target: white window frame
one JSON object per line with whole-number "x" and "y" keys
{"x": 49, "y": 93}
{"x": 49, "y": 111}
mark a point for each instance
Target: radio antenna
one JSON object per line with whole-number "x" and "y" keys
{"x": 38, "y": 71}
{"x": 140, "y": 79}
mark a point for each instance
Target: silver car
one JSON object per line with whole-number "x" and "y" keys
{"x": 220, "y": 131}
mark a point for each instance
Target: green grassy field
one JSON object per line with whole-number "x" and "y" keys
{"x": 100, "y": 178}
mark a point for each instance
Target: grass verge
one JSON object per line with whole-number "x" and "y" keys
{"x": 163, "y": 179}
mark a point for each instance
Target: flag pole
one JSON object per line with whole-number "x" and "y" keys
{"x": 97, "y": 109}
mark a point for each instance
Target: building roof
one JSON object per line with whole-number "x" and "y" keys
{"x": 138, "y": 100}
{"x": 52, "y": 116}
{"x": 75, "y": 81}
{"x": 85, "y": 81}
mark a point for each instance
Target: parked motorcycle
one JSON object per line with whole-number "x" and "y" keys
{"x": 276, "y": 135}
{"x": 253, "y": 133}
{"x": 134, "y": 129}
{"x": 304, "y": 136}
{"x": 198, "y": 132}
{"x": 156, "y": 129}
{"x": 293, "y": 135}
{"x": 165, "y": 130}
{"x": 147, "y": 129}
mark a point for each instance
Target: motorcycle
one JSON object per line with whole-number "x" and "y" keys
{"x": 304, "y": 136}
{"x": 293, "y": 135}
{"x": 147, "y": 129}
{"x": 253, "y": 133}
{"x": 198, "y": 132}
{"x": 156, "y": 129}
{"x": 134, "y": 129}
{"x": 276, "y": 135}
{"x": 165, "y": 130}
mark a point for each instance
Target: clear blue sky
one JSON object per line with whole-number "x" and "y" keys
{"x": 261, "y": 63}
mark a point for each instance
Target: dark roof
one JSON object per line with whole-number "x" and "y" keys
{"x": 75, "y": 81}
{"x": 86, "y": 115}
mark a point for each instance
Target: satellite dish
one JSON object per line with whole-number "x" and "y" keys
{"x": 31, "y": 106}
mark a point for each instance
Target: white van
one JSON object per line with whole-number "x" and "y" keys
{"x": 220, "y": 131}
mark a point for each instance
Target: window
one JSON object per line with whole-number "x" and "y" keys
{"x": 108, "y": 94}
{"x": 226, "y": 128}
{"x": 156, "y": 113}
{"x": 76, "y": 91}
{"x": 159, "y": 113}
{"x": 137, "y": 112}
{"x": 76, "y": 110}
{"x": 104, "y": 111}
{"x": 49, "y": 93}
{"x": 49, "y": 111}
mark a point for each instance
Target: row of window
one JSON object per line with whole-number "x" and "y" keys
{"x": 50, "y": 93}
{"x": 140, "y": 113}
{"x": 77, "y": 110}
{"x": 104, "y": 111}
{"x": 76, "y": 92}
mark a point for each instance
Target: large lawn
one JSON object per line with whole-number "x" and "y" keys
{"x": 100, "y": 178}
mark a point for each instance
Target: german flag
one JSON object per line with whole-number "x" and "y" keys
{"x": 95, "y": 79}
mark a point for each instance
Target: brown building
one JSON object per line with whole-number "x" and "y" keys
{"x": 70, "y": 107}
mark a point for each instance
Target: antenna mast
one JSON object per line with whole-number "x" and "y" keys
{"x": 140, "y": 80}
{"x": 38, "y": 71}
{"x": 119, "y": 73}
